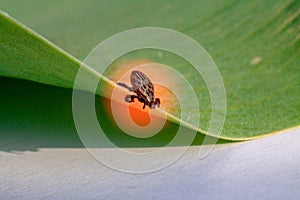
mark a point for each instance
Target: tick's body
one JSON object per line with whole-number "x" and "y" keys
{"x": 144, "y": 89}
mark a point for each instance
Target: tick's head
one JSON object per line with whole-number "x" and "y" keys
{"x": 155, "y": 103}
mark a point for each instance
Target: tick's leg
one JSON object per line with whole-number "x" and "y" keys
{"x": 151, "y": 105}
{"x": 144, "y": 105}
{"x": 132, "y": 97}
{"x": 127, "y": 98}
{"x": 125, "y": 86}
{"x": 131, "y": 89}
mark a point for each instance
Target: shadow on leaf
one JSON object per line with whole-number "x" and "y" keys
{"x": 37, "y": 116}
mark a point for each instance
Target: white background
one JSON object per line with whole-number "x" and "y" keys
{"x": 267, "y": 168}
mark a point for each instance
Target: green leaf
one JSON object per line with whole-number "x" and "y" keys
{"x": 255, "y": 45}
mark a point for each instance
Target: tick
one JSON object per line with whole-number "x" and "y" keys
{"x": 144, "y": 89}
